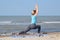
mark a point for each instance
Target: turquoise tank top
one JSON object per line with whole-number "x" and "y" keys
{"x": 33, "y": 19}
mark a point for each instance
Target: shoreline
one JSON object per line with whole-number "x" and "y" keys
{"x": 48, "y": 36}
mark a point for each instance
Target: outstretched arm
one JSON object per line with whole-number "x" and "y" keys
{"x": 36, "y": 8}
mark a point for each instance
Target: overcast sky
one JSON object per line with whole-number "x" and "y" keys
{"x": 24, "y": 7}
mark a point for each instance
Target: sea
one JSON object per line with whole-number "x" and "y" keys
{"x": 20, "y": 23}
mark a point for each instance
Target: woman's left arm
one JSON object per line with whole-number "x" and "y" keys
{"x": 36, "y": 8}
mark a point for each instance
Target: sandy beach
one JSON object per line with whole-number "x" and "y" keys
{"x": 48, "y": 36}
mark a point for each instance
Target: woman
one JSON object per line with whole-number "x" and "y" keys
{"x": 33, "y": 22}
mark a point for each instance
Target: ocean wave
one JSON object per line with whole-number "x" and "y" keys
{"x": 52, "y": 22}
{"x": 15, "y": 23}
{"x": 5, "y": 21}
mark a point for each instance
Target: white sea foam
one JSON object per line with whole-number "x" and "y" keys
{"x": 52, "y": 22}
{"x": 5, "y": 22}
{"x": 10, "y": 23}
{"x": 49, "y": 22}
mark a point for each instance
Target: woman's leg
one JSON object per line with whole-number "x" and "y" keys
{"x": 32, "y": 26}
{"x": 27, "y": 29}
{"x": 39, "y": 28}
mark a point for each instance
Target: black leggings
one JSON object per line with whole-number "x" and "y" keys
{"x": 32, "y": 26}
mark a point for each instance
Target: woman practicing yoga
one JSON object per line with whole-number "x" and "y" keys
{"x": 33, "y": 22}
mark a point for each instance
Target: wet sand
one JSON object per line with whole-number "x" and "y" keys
{"x": 48, "y": 36}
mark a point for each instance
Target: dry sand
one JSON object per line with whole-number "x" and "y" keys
{"x": 48, "y": 36}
